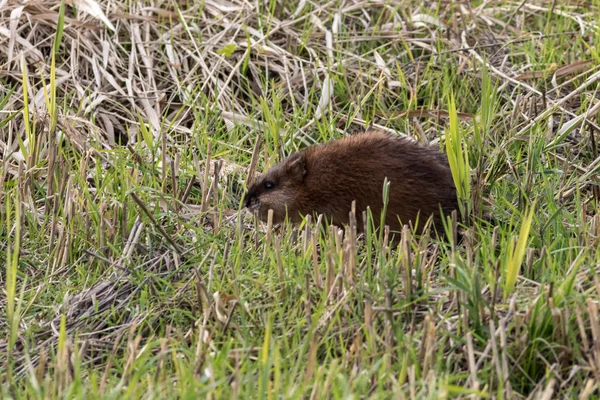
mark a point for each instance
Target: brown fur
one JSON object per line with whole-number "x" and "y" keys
{"x": 325, "y": 179}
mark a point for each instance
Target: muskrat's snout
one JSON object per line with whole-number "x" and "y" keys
{"x": 250, "y": 199}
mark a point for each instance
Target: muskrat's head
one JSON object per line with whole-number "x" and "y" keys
{"x": 278, "y": 189}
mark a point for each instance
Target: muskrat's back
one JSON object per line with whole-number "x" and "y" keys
{"x": 325, "y": 179}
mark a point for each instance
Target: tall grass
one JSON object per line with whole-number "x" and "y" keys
{"x": 457, "y": 151}
{"x": 130, "y": 271}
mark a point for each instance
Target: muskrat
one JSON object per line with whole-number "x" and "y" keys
{"x": 326, "y": 178}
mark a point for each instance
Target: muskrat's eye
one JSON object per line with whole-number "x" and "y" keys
{"x": 269, "y": 185}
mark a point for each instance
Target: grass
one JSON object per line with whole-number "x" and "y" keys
{"x": 125, "y": 151}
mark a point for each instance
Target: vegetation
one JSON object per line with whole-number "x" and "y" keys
{"x": 128, "y": 131}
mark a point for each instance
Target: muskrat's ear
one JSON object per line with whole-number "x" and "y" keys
{"x": 296, "y": 166}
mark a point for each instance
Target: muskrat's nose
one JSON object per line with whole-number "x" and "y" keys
{"x": 247, "y": 200}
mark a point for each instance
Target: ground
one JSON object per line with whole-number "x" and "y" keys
{"x": 128, "y": 131}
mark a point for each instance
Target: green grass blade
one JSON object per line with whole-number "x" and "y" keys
{"x": 517, "y": 252}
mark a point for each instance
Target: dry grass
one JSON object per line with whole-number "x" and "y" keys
{"x": 132, "y": 258}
